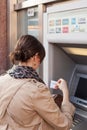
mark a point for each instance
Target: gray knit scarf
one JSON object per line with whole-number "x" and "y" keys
{"x": 24, "y": 72}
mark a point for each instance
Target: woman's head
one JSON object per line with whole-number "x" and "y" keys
{"x": 27, "y": 46}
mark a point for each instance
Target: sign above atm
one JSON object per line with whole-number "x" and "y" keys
{"x": 73, "y": 21}
{"x": 67, "y": 22}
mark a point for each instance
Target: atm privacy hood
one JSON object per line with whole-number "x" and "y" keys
{"x": 73, "y": 44}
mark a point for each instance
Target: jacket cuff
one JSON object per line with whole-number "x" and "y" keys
{"x": 68, "y": 108}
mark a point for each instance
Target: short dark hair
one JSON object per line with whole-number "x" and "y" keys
{"x": 27, "y": 46}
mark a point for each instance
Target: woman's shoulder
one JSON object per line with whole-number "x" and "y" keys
{"x": 36, "y": 86}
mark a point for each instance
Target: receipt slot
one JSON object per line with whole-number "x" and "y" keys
{"x": 65, "y": 41}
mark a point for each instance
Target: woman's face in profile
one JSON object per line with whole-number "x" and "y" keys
{"x": 37, "y": 61}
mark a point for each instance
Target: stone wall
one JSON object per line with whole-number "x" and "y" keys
{"x": 3, "y": 37}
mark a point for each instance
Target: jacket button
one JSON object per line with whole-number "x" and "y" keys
{"x": 34, "y": 81}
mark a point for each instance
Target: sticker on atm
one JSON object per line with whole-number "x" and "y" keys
{"x": 65, "y": 29}
{"x": 58, "y": 30}
{"x": 51, "y": 23}
{"x": 58, "y": 22}
{"x": 65, "y": 21}
{"x": 82, "y": 20}
{"x": 73, "y": 21}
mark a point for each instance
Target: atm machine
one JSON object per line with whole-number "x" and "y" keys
{"x": 65, "y": 41}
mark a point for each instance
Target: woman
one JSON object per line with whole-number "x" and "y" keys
{"x": 25, "y": 101}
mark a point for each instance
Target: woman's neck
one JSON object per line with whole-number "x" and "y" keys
{"x": 25, "y": 64}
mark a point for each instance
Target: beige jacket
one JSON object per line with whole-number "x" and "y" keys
{"x": 26, "y": 104}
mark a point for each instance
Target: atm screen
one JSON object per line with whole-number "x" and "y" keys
{"x": 81, "y": 91}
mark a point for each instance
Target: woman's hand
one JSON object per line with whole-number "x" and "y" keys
{"x": 62, "y": 85}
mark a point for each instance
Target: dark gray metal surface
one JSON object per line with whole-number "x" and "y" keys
{"x": 81, "y": 126}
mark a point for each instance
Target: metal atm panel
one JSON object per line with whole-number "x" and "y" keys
{"x": 65, "y": 41}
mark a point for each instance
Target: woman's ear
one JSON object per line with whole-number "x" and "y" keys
{"x": 36, "y": 56}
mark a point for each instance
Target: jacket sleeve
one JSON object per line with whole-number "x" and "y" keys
{"x": 46, "y": 107}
